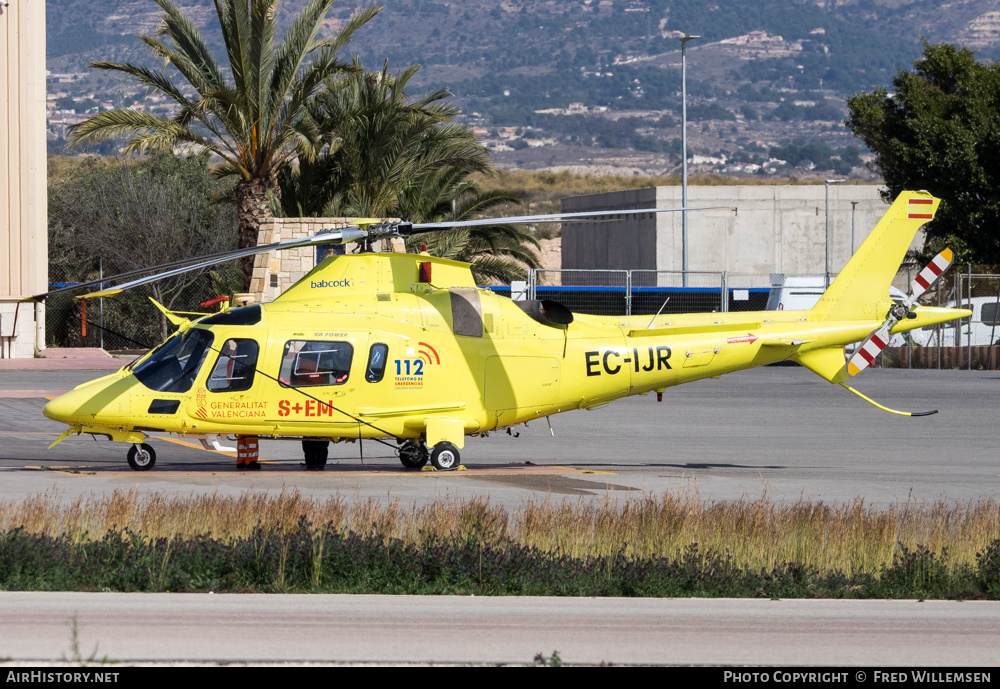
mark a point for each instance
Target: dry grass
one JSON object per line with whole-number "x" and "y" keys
{"x": 759, "y": 532}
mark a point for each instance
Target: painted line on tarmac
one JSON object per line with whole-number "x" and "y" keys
{"x": 31, "y": 394}
{"x": 28, "y": 433}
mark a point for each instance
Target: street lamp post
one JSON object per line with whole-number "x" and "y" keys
{"x": 828, "y": 183}
{"x": 684, "y": 160}
{"x": 854, "y": 207}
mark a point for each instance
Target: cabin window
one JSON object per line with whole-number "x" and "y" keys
{"x": 377, "y": 357}
{"x": 173, "y": 365}
{"x": 234, "y": 369}
{"x": 307, "y": 363}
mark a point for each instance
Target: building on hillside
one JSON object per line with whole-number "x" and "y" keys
{"x": 23, "y": 211}
{"x": 775, "y": 229}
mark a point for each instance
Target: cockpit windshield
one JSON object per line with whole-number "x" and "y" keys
{"x": 175, "y": 364}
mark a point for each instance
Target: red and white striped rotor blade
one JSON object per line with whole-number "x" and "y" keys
{"x": 931, "y": 272}
{"x": 868, "y": 350}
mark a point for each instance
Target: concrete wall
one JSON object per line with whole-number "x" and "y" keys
{"x": 23, "y": 212}
{"x": 627, "y": 243}
{"x": 777, "y": 229}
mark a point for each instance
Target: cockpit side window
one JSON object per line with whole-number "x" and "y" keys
{"x": 235, "y": 367}
{"x": 310, "y": 363}
{"x": 377, "y": 357}
{"x": 175, "y": 364}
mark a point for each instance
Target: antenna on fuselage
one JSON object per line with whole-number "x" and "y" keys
{"x": 650, "y": 326}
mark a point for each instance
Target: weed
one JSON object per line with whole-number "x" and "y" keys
{"x": 552, "y": 661}
{"x": 988, "y": 566}
{"x": 75, "y": 656}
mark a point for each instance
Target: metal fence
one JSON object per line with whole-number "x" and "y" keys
{"x": 970, "y": 343}
{"x": 127, "y": 322}
{"x": 638, "y": 292}
{"x": 646, "y": 292}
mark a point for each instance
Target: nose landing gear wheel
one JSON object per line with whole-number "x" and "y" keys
{"x": 445, "y": 456}
{"x": 141, "y": 457}
{"x": 413, "y": 455}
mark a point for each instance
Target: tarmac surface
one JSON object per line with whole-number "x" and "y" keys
{"x": 781, "y": 430}
{"x": 173, "y": 628}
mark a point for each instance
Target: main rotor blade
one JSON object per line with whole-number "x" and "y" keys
{"x": 549, "y": 217}
{"x": 342, "y": 236}
{"x": 347, "y": 234}
{"x": 119, "y": 276}
{"x": 926, "y": 277}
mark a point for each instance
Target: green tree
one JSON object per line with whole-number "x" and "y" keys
{"x": 130, "y": 215}
{"x": 374, "y": 142}
{"x": 939, "y": 130}
{"x": 386, "y": 155}
{"x": 255, "y": 119}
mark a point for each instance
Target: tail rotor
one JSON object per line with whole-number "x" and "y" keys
{"x": 873, "y": 345}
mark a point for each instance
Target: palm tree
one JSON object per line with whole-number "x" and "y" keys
{"x": 256, "y": 121}
{"x": 385, "y": 155}
{"x": 498, "y": 253}
{"x": 373, "y": 143}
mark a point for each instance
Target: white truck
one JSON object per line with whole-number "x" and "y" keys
{"x": 982, "y": 328}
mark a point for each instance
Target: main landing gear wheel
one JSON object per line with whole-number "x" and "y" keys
{"x": 445, "y": 456}
{"x": 141, "y": 457}
{"x": 413, "y": 455}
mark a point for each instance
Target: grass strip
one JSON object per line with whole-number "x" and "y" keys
{"x": 307, "y": 559}
{"x": 653, "y": 545}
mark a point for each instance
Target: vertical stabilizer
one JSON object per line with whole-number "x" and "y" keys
{"x": 861, "y": 290}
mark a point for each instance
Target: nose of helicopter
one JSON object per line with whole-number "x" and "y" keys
{"x": 81, "y": 404}
{"x": 66, "y": 408}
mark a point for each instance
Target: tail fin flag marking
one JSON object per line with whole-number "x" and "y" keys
{"x": 920, "y": 209}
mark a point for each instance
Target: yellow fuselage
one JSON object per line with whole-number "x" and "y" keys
{"x": 456, "y": 360}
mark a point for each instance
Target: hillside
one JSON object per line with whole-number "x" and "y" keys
{"x": 572, "y": 83}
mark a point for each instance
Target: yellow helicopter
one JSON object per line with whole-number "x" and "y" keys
{"x": 406, "y": 347}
